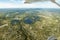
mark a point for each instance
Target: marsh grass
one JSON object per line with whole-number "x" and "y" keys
{"x": 41, "y": 26}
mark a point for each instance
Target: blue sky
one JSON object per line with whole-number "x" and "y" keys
{"x": 20, "y": 4}
{"x": 11, "y": 1}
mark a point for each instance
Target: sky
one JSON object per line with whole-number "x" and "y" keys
{"x": 20, "y": 4}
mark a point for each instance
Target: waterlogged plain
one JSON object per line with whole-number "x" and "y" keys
{"x": 30, "y": 24}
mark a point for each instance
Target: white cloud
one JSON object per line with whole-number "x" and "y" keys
{"x": 32, "y": 5}
{"x": 17, "y": 1}
{"x": 58, "y": 1}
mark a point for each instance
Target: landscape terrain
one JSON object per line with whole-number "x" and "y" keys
{"x": 29, "y": 24}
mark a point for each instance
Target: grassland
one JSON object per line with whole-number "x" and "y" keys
{"x": 29, "y": 25}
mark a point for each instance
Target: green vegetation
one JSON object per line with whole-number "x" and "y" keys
{"x": 29, "y": 25}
